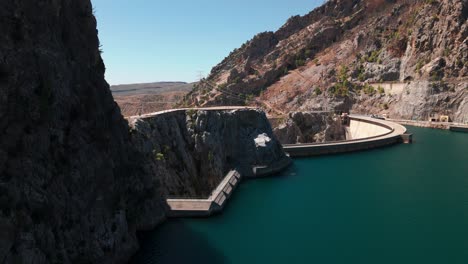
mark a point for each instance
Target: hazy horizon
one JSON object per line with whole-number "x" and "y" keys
{"x": 146, "y": 42}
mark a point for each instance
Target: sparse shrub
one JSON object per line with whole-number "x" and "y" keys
{"x": 373, "y": 57}
{"x": 300, "y": 62}
{"x": 222, "y": 86}
{"x": 158, "y": 156}
{"x": 381, "y": 90}
{"x": 419, "y": 65}
{"x": 368, "y": 89}
{"x": 317, "y": 91}
{"x": 343, "y": 86}
{"x": 446, "y": 52}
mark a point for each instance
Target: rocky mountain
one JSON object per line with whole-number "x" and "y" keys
{"x": 142, "y": 98}
{"x": 404, "y": 58}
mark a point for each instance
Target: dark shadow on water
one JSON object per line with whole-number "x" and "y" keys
{"x": 174, "y": 242}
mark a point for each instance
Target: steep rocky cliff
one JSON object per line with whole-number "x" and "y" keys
{"x": 404, "y": 58}
{"x": 193, "y": 150}
{"x": 72, "y": 189}
{"x": 310, "y": 127}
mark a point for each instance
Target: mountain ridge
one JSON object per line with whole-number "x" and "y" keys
{"x": 336, "y": 57}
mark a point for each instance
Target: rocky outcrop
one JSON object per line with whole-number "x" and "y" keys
{"x": 332, "y": 56}
{"x": 193, "y": 150}
{"x": 310, "y": 127}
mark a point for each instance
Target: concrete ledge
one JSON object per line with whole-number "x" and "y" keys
{"x": 393, "y": 136}
{"x": 205, "y": 207}
{"x": 263, "y": 171}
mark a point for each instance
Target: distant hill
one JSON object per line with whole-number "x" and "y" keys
{"x": 142, "y": 98}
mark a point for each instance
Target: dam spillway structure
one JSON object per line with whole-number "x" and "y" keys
{"x": 362, "y": 133}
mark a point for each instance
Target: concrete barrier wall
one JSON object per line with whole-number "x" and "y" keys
{"x": 205, "y": 207}
{"x": 391, "y": 87}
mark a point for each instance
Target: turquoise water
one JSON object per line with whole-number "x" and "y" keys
{"x": 401, "y": 204}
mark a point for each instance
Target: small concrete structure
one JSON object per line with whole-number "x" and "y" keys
{"x": 205, "y": 207}
{"x": 407, "y": 138}
{"x": 378, "y": 133}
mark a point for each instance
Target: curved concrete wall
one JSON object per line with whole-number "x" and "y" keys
{"x": 375, "y": 133}
{"x": 359, "y": 128}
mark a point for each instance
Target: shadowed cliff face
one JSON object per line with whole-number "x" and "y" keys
{"x": 193, "y": 150}
{"x": 72, "y": 189}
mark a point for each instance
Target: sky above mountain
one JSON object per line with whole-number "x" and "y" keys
{"x": 179, "y": 40}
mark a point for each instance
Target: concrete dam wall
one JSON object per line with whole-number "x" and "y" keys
{"x": 365, "y": 133}
{"x": 364, "y": 128}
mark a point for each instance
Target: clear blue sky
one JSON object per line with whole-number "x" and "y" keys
{"x": 148, "y": 41}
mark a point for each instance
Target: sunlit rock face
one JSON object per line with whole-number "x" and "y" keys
{"x": 337, "y": 56}
{"x": 310, "y": 127}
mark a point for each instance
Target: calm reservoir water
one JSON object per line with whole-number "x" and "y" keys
{"x": 401, "y": 204}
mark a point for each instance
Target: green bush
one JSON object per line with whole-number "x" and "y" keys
{"x": 317, "y": 91}
{"x": 381, "y": 90}
{"x": 368, "y": 89}
{"x": 300, "y": 62}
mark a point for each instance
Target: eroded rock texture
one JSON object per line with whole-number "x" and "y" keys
{"x": 310, "y": 127}
{"x": 72, "y": 188}
{"x": 193, "y": 150}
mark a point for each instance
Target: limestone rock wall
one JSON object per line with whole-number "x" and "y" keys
{"x": 310, "y": 127}
{"x": 193, "y": 150}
